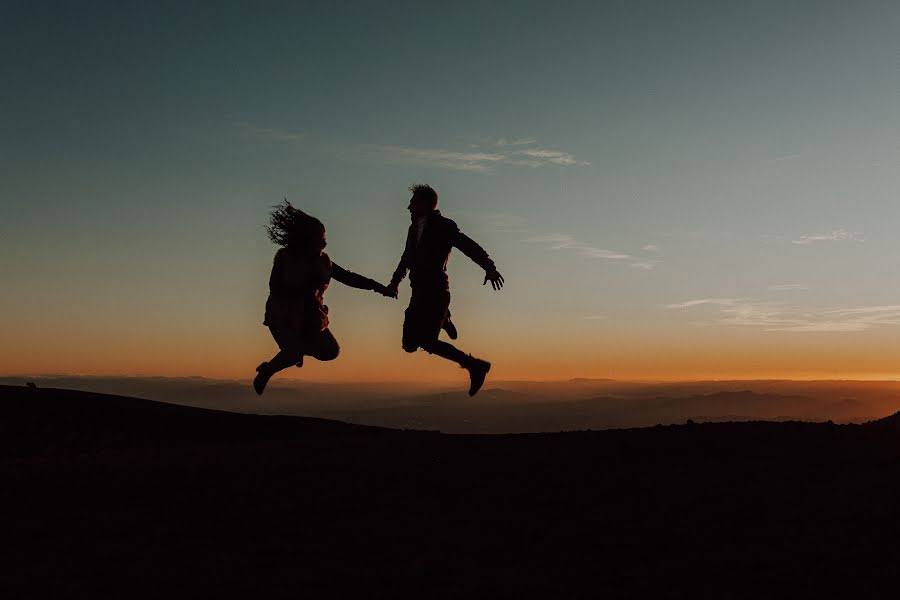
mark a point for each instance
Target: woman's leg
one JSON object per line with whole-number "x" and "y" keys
{"x": 288, "y": 356}
{"x": 322, "y": 346}
{"x": 285, "y": 358}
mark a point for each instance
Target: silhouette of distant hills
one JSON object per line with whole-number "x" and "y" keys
{"x": 517, "y": 406}
{"x": 114, "y": 496}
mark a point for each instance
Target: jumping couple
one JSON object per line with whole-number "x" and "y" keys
{"x": 296, "y": 314}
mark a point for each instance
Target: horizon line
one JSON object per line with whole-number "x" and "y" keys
{"x": 290, "y": 382}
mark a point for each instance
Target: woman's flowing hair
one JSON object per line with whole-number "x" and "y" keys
{"x": 289, "y": 226}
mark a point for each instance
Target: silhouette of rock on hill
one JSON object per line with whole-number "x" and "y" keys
{"x": 105, "y": 493}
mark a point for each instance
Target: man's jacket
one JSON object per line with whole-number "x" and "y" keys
{"x": 426, "y": 259}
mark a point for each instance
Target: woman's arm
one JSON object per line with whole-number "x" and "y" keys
{"x": 349, "y": 278}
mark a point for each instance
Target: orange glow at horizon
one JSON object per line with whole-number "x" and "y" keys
{"x": 517, "y": 356}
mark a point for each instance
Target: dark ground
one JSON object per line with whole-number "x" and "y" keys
{"x": 117, "y": 497}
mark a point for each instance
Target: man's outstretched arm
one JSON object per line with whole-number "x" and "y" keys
{"x": 480, "y": 257}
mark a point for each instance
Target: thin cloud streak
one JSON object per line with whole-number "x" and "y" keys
{"x": 553, "y": 156}
{"x": 475, "y": 161}
{"x": 837, "y": 235}
{"x": 515, "y": 142}
{"x": 483, "y": 157}
{"x": 478, "y": 162}
{"x": 704, "y": 301}
{"x": 780, "y": 316}
{"x": 567, "y": 242}
{"x": 786, "y": 287}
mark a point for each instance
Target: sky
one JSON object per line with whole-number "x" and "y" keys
{"x": 671, "y": 190}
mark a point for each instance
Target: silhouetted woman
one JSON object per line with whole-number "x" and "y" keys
{"x": 295, "y": 311}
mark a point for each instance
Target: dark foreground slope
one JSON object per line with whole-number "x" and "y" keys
{"x": 110, "y": 496}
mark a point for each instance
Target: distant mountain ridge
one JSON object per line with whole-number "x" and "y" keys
{"x": 517, "y": 406}
{"x": 45, "y": 415}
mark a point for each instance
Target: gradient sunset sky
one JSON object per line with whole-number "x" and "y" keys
{"x": 672, "y": 190}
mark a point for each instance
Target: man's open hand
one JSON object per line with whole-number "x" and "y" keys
{"x": 495, "y": 278}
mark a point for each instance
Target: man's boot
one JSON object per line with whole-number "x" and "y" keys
{"x": 478, "y": 370}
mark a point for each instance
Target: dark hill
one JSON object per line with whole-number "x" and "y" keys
{"x": 116, "y": 497}
{"x": 37, "y": 420}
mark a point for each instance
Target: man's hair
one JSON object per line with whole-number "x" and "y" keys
{"x": 425, "y": 192}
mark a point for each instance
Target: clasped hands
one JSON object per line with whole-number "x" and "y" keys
{"x": 388, "y": 291}
{"x": 494, "y": 276}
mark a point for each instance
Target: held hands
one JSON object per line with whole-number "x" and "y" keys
{"x": 388, "y": 291}
{"x": 495, "y": 278}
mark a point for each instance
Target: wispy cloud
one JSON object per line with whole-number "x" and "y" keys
{"x": 567, "y": 242}
{"x": 650, "y": 248}
{"x": 515, "y": 142}
{"x": 552, "y": 156}
{"x": 704, "y": 301}
{"x": 786, "y": 287}
{"x": 500, "y": 142}
{"x": 267, "y": 133}
{"x": 484, "y": 155}
{"x": 779, "y": 316}
{"x": 479, "y": 162}
{"x": 837, "y": 235}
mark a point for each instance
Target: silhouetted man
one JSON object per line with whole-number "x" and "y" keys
{"x": 429, "y": 241}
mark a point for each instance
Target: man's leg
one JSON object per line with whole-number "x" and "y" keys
{"x": 424, "y": 319}
{"x": 450, "y": 328}
{"x": 446, "y": 350}
{"x": 411, "y": 335}
{"x": 477, "y": 368}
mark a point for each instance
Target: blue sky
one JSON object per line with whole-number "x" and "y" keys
{"x": 655, "y": 180}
